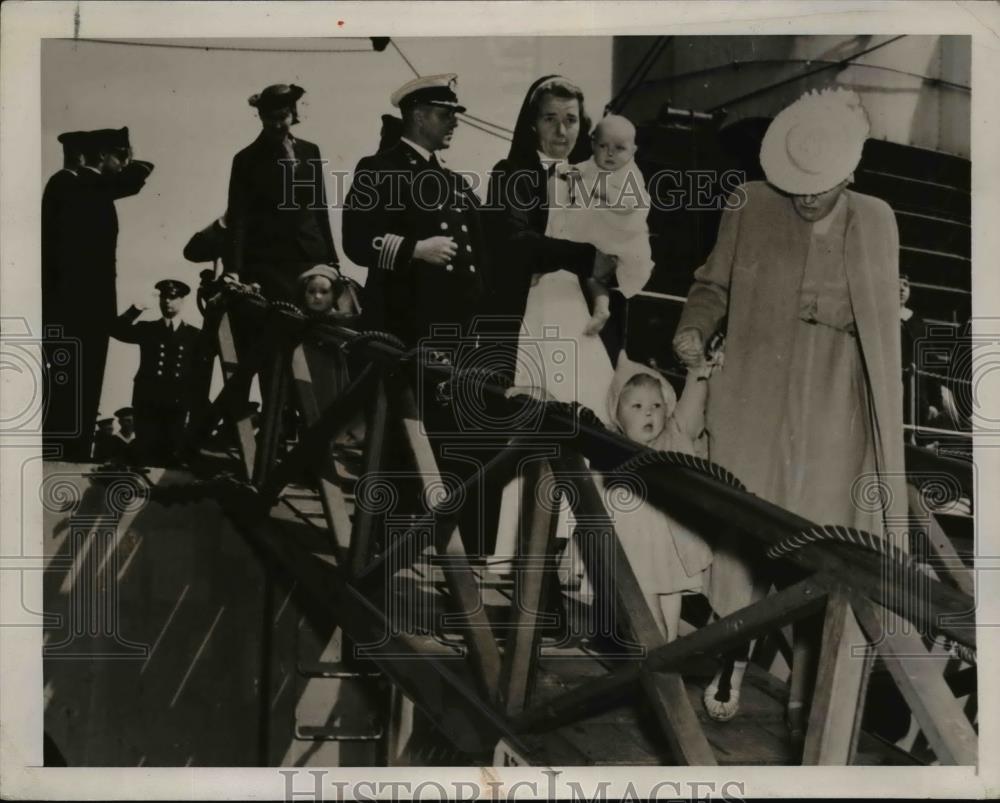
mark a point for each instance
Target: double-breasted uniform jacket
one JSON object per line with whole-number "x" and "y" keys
{"x": 169, "y": 360}
{"x": 277, "y": 212}
{"x": 396, "y": 199}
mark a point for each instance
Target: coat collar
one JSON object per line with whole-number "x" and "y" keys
{"x": 264, "y": 144}
{"x": 421, "y": 151}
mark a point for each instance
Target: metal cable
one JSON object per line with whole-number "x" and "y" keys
{"x": 635, "y": 79}
{"x": 843, "y": 63}
{"x": 232, "y": 48}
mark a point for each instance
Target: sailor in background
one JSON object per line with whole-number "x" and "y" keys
{"x": 125, "y": 437}
{"x": 415, "y": 224}
{"x": 79, "y": 246}
{"x": 104, "y": 440}
{"x": 169, "y": 359}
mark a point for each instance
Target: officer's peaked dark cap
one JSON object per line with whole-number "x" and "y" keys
{"x": 107, "y": 139}
{"x": 171, "y": 288}
{"x": 276, "y": 96}
{"x": 121, "y": 412}
{"x": 73, "y": 141}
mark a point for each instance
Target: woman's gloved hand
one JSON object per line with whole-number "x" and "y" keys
{"x": 689, "y": 346}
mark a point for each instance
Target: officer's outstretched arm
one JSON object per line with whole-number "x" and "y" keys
{"x": 123, "y": 329}
{"x": 131, "y": 180}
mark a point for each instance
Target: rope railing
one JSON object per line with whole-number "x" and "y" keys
{"x": 670, "y": 479}
{"x": 489, "y": 699}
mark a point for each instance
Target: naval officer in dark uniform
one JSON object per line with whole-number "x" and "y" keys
{"x": 415, "y": 224}
{"x": 79, "y": 247}
{"x": 169, "y": 360}
{"x": 57, "y": 222}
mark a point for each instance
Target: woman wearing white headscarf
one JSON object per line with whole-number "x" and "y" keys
{"x": 807, "y": 411}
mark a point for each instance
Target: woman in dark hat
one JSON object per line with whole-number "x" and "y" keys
{"x": 277, "y": 213}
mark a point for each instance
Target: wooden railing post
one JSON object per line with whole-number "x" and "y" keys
{"x": 331, "y": 496}
{"x": 845, "y": 661}
{"x": 533, "y": 563}
{"x": 275, "y": 387}
{"x": 950, "y": 565}
{"x": 366, "y": 519}
{"x": 462, "y": 583}
{"x": 239, "y": 410}
{"x": 665, "y": 691}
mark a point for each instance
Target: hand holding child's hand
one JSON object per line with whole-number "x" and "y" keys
{"x": 436, "y": 250}
{"x": 689, "y": 346}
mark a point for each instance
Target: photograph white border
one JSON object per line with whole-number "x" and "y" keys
{"x": 25, "y": 24}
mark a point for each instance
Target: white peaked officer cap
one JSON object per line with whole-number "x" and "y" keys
{"x": 436, "y": 90}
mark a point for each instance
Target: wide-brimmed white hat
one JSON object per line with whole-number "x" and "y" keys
{"x": 815, "y": 143}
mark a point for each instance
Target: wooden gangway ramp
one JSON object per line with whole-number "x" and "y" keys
{"x": 424, "y": 618}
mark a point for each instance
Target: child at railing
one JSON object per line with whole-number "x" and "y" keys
{"x": 668, "y": 559}
{"x": 325, "y": 294}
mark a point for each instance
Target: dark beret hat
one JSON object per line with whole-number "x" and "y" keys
{"x": 276, "y": 96}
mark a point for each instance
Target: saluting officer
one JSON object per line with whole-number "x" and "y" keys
{"x": 79, "y": 244}
{"x": 169, "y": 360}
{"x": 415, "y": 224}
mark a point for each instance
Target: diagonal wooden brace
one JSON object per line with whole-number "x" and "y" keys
{"x": 665, "y": 691}
{"x": 462, "y": 583}
{"x": 316, "y": 439}
{"x": 919, "y": 677}
{"x": 772, "y": 612}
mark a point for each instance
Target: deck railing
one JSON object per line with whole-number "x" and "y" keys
{"x": 875, "y": 600}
